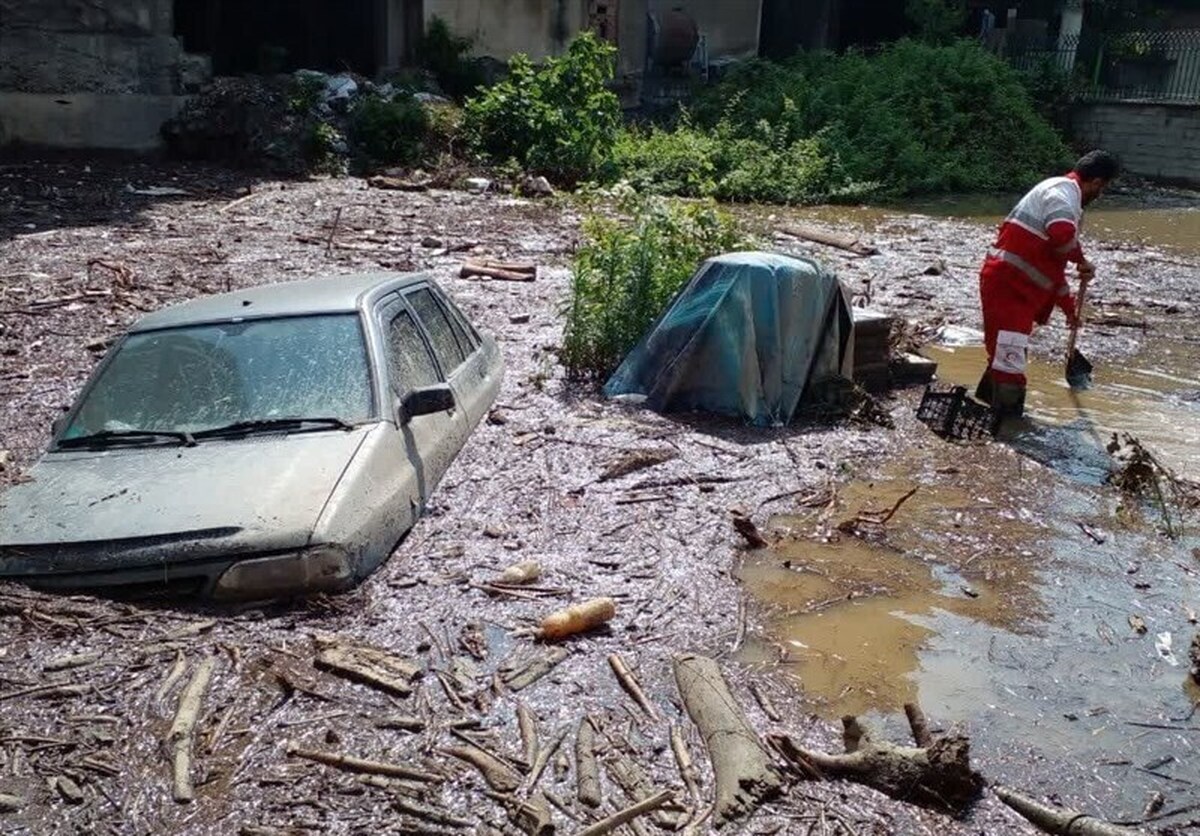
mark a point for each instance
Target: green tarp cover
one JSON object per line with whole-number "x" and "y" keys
{"x": 744, "y": 338}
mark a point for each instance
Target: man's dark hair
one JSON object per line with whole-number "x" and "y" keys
{"x": 1097, "y": 165}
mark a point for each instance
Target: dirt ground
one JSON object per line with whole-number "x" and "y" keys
{"x": 82, "y": 255}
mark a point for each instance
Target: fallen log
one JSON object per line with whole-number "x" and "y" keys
{"x": 349, "y": 763}
{"x": 476, "y": 269}
{"x": 745, "y": 775}
{"x": 1058, "y": 821}
{"x": 619, "y": 819}
{"x": 587, "y": 769}
{"x": 183, "y": 726}
{"x": 381, "y": 181}
{"x": 938, "y": 776}
{"x": 829, "y": 239}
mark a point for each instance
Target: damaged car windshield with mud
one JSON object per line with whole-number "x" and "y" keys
{"x": 228, "y": 376}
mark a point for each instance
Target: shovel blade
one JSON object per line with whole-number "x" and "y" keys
{"x": 1079, "y": 370}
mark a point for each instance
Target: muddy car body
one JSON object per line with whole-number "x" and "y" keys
{"x": 262, "y": 443}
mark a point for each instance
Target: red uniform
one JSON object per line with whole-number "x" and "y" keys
{"x": 1023, "y": 278}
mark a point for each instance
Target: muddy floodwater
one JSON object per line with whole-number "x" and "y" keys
{"x": 979, "y": 598}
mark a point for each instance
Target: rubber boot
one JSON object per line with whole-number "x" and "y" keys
{"x": 985, "y": 390}
{"x": 1008, "y": 401}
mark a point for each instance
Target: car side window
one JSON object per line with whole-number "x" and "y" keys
{"x": 437, "y": 325}
{"x": 410, "y": 365}
{"x": 467, "y": 337}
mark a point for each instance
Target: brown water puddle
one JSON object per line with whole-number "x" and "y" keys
{"x": 845, "y": 613}
{"x": 1153, "y": 396}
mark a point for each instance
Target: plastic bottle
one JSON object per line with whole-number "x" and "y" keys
{"x": 577, "y": 619}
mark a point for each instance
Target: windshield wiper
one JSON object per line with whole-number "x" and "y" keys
{"x": 108, "y": 438}
{"x": 266, "y": 425}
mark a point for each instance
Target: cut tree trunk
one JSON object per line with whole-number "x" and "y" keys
{"x": 745, "y": 775}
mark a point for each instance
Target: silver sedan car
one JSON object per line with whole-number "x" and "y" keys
{"x": 258, "y": 444}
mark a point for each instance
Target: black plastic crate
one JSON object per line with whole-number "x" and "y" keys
{"x": 955, "y": 414}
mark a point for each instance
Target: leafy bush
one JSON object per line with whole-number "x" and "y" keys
{"x": 389, "y": 131}
{"x": 913, "y": 118}
{"x": 447, "y": 56}
{"x": 628, "y": 269}
{"x": 323, "y": 149}
{"x": 765, "y": 166}
{"x": 559, "y": 119}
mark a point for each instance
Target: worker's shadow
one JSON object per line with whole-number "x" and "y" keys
{"x": 1077, "y": 450}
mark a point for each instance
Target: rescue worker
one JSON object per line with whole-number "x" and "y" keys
{"x": 1024, "y": 275}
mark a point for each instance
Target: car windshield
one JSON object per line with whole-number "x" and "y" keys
{"x": 202, "y": 377}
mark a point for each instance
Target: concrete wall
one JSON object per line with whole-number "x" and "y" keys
{"x": 81, "y": 74}
{"x": 503, "y": 28}
{"x": 1153, "y": 140}
{"x": 543, "y": 28}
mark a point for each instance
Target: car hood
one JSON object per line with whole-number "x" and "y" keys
{"x": 85, "y": 510}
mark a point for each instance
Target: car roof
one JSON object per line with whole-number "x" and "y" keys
{"x": 327, "y": 294}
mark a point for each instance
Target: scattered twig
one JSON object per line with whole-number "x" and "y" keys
{"x": 630, "y": 684}
{"x": 607, "y": 825}
{"x": 349, "y": 763}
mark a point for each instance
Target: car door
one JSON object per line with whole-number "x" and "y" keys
{"x": 476, "y": 378}
{"x": 430, "y": 441}
{"x": 456, "y": 353}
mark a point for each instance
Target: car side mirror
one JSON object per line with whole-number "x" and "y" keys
{"x": 426, "y": 401}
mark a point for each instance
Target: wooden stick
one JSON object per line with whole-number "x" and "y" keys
{"x": 918, "y": 724}
{"x": 183, "y": 726}
{"x": 498, "y": 775}
{"x": 627, "y": 815}
{"x": 429, "y": 814}
{"x": 631, "y": 686}
{"x": 177, "y": 670}
{"x": 333, "y": 231}
{"x": 529, "y": 734}
{"x": 764, "y": 702}
{"x": 349, "y": 763}
{"x": 587, "y": 769}
{"x": 683, "y": 759}
{"x": 1057, "y": 820}
{"x": 543, "y": 761}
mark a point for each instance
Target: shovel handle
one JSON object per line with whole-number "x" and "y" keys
{"x": 1074, "y": 335}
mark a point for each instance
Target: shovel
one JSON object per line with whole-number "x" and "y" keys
{"x": 1079, "y": 368}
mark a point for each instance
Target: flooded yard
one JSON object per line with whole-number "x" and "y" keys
{"x": 1011, "y": 593}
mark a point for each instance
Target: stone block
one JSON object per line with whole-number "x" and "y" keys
{"x": 131, "y": 17}
{"x": 47, "y": 62}
{"x": 87, "y": 120}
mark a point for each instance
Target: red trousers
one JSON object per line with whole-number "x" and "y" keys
{"x": 1008, "y": 319}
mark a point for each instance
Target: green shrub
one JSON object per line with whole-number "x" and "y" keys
{"x": 447, "y": 56}
{"x": 558, "y": 119}
{"x": 676, "y": 162}
{"x": 628, "y": 269}
{"x": 913, "y": 118}
{"x": 389, "y": 131}
{"x": 321, "y": 145}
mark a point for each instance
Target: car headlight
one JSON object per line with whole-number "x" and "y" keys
{"x": 319, "y": 569}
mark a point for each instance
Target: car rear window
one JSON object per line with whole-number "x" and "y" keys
{"x": 410, "y": 365}
{"x": 445, "y": 345}
{"x": 198, "y": 377}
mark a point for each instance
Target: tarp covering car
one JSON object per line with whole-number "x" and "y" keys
{"x": 747, "y": 337}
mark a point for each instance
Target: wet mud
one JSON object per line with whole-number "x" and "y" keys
{"x": 1044, "y": 633}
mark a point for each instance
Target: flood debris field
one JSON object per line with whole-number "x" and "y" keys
{"x": 415, "y": 704}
